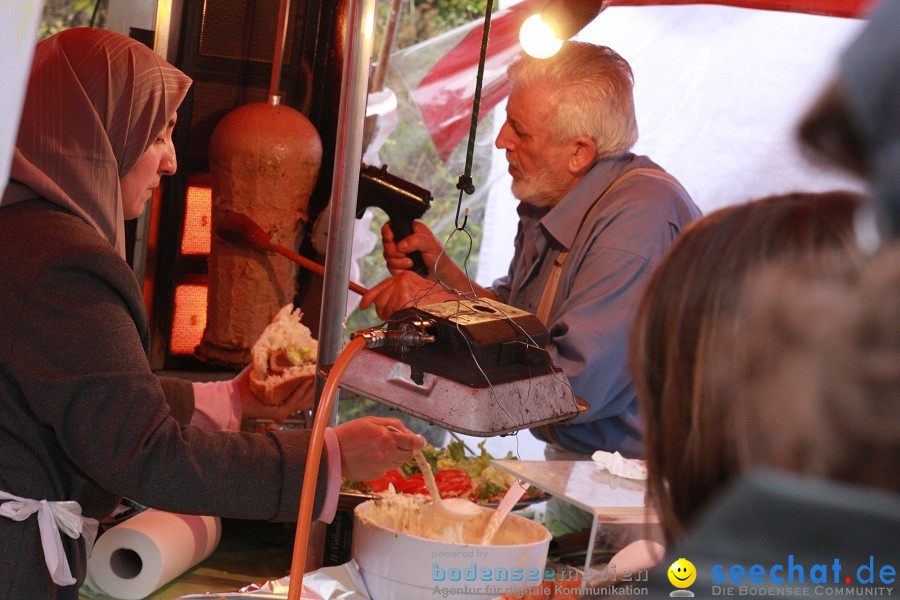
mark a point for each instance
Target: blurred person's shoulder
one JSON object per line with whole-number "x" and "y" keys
{"x": 777, "y": 534}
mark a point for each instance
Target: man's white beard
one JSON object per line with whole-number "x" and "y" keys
{"x": 540, "y": 191}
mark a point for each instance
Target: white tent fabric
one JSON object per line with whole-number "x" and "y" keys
{"x": 718, "y": 91}
{"x": 16, "y": 50}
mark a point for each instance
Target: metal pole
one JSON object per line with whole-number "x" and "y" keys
{"x": 278, "y": 58}
{"x": 345, "y": 183}
{"x": 384, "y": 56}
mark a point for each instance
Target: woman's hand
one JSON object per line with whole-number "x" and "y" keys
{"x": 369, "y": 448}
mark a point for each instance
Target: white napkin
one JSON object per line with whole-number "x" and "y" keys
{"x": 617, "y": 464}
{"x": 341, "y": 582}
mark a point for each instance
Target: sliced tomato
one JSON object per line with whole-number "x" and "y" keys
{"x": 453, "y": 483}
{"x": 393, "y": 476}
{"x": 413, "y": 485}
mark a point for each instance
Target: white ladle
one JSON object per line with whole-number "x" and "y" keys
{"x": 452, "y": 509}
{"x": 512, "y": 495}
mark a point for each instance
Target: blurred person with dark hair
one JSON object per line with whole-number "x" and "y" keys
{"x": 855, "y": 123}
{"x": 817, "y": 372}
{"x": 692, "y": 298}
{"x": 813, "y": 380}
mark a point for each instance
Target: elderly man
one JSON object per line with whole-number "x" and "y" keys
{"x": 594, "y": 221}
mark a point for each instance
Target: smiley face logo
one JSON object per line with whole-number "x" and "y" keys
{"x": 682, "y": 573}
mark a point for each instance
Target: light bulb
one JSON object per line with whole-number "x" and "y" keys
{"x": 538, "y": 39}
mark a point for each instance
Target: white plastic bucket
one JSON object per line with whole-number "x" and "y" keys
{"x": 402, "y": 566}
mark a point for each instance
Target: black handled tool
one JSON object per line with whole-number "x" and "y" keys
{"x": 404, "y": 202}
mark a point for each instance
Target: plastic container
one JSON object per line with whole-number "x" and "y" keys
{"x": 398, "y": 565}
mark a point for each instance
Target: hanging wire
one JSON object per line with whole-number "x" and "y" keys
{"x": 465, "y": 180}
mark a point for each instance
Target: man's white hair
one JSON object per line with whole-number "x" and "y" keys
{"x": 592, "y": 89}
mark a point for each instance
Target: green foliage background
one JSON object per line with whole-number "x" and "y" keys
{"x": 421, "y": 20}
{"x": 65, "y": 14}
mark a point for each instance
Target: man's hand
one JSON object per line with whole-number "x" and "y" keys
{"x": 369, "y": 448}
{"x": 421, "y": 239}
{"x": 406, "y": 288}
{"x": 440, "y": 266}
{"x": 402, "y": 290}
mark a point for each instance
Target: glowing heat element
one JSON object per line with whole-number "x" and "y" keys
{"x": 538, "y": 39}
{"x": 189, "y": 319}
{"x": 197, "y": 220}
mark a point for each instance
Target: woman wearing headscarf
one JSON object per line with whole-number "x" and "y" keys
{"x": 83, "y": 419}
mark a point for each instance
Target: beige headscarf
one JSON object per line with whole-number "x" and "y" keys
{"x": 96, "y": 101}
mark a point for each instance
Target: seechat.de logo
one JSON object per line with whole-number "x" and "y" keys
{"x": 793, "y": 577}
{"x": 682, "y": 574}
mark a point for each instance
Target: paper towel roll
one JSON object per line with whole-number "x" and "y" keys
{"x": 139, "y": 556}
